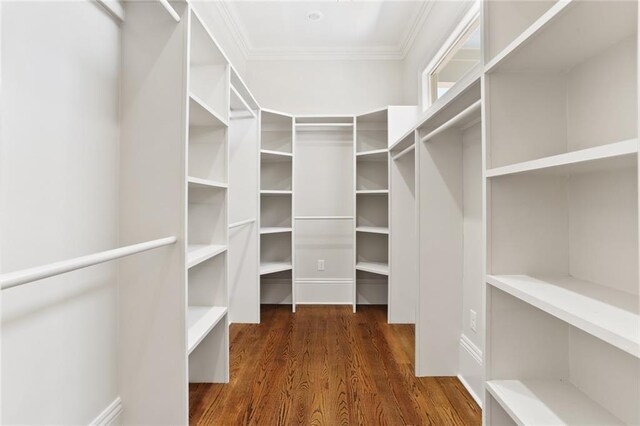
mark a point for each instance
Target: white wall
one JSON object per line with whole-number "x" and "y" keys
{"x": 58, "y": 199}
{"x": 443, "y": 17}
{"x": 325, "y": 87}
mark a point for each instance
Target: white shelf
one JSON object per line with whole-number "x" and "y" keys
{"x": 272, "y": 267}
{"x": 200, "y": 114}
{"x": 374, "y": 267}
{"x": 274, "y": 229}
{"x": 275, "y": 192}
{"x": 311, "y": 127}
{"x": 205, "y": 183}
{"x": 201, "y": 320}
{"x": 373, "y": 229}
{"x": 374, "y": 155}
{"x": 269, "y": 156}
{"x": 170, "y": 10}
{"x": 604, "y": 157}
{"x": 198, "y": 253}
{"x": 563, "y": 36}
{"x": 238, "y": 106}
{"x": 608, "y": 314}
{"x": 372, "y": 191}
{"x": 548, "y": 402}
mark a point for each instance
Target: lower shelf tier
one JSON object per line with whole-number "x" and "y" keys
{"x": 548, "y": 402}
{"x": 201, "y": 320}
{"x": 608, "y": 314}
{"x": 373, "y": 267}
{"x": 272, "y": 267}
{"x": 198, "y": 253}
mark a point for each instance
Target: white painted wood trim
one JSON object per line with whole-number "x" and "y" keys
{"x": 114, "y": 8}
{"x": 109, "y": 415}
{"x": 470, "y": 347}
{"x": 469, "y": 389}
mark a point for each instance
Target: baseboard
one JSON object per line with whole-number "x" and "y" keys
{"x": 110, "y": 415}
{"x": 324, "y": 291}
{"x": 471, "y": 371}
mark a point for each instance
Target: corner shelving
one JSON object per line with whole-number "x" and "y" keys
{"x": 198, "y": 253}
{"x": 371, "y": 161}
{"x": 276, "y": 207}
{"x": 562, "y": 216}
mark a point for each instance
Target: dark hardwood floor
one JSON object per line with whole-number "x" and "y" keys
{"x": 325, "y": 365}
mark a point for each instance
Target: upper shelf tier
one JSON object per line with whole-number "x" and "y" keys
{"x": 603, "y": 157}
{"x": 608, "y": 314}
{"x": 564, "y": 36}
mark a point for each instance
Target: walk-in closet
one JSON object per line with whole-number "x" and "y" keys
{"x": 290, "y": 213}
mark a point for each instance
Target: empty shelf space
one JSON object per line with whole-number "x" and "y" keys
{"x": 272, "y": 267}
{"x": 201, "y": 320}
{"x": 372, "y": 191}
{"x": 312, "y": 127}
{"x": 374, "y": 267}
{"x": 198, "y": 253}
{"x": 200, "y": 114}
{"x": 275, "y": 156}
{"x": 608, "y": 314}
{"x": 205, "y": 183}
{"x": 548, "y": 402}
{"x": 604, "y": 157}
{"x": 373, "y": 229}
{"x": 274, "y": 229}
{"x": 560, "y": 38}
{"x": 275, "y": 192}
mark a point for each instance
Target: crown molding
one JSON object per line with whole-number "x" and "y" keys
{"x": 388, "y": 53}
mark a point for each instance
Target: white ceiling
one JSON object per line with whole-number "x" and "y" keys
{"x": 348, "y": 30}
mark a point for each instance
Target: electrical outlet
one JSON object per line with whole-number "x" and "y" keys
{"x": 473, "y": 320}
{"x": 320, "y": 264}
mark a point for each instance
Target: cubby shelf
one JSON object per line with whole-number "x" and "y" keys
{"x": 373, "y": 229}
{"x": 372, "y": 191}
{"x": 274, "y": 229}
{"x": 198, "y": 253}
{"x": 201, "y": 320}
{"x": 373, "y": 267}
{"x": 273, "y": 267}
{"x": 200, "y": 114}
{"x": 205, "y": 183}
{"x": 548, "y": 402}
{"x": 269, "y": 192}
{"x": 608, "y": 314}
{"x": 604, "y": 157}
{"x": 562, "y": 37}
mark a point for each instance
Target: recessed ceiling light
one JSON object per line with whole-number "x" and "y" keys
{"x": 315, "y": 16}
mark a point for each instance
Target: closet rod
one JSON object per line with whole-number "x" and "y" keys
{"x": 242, "y": 222}
{"x": 323, "y": 217}
{"x": 25, "y": 276}
{"x": 404, "y": 152}
{"x": 450, "y": 123}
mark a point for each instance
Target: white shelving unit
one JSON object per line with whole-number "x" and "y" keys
{"x": 276, "y": 208}
{"x": 324, "y": 267}
{"x": 562, "y": 213}
{"x": 207, "y": 207}
{"x": 371, "y": 158}
{"x": 450, "y": 231}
